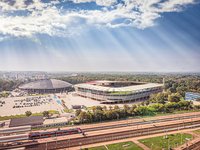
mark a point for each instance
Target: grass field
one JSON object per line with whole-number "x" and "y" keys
{"x": 23, "y": 115}
{"x": 97, "y": 148}
{"x": 118, "y": 146}
{"x": 197, "y": 131}
{"x": 166, "y": 142}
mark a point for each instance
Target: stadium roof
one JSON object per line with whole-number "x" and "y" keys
{"x": 123, "y": 89}
{"x": 46, "y": 84}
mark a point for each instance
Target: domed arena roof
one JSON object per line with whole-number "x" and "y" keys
{"x": 46, "y": 84}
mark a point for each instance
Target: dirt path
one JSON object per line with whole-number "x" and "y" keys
{"x": 140, "y": 144}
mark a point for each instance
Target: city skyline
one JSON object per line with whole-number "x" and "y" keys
{"x": 98, "y": 35}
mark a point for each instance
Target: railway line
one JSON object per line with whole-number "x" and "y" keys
{"x": 113, "y": 136}
{"x": 139, "y": 123}
{"x": 116, "y": 131}
{"x": 129, "y": 122}
{"x": 193, "y": 146}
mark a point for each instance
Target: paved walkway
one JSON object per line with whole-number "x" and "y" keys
{"x": 140, "y": 144}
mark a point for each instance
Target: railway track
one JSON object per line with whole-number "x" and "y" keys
{"x": 113, "y": 136}
{"x": 139, "y": 123}
{"x": 128, "y": 130}
{"x": 194, "y": 146}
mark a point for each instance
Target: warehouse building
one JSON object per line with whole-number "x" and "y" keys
{"x": 25, "y": 121}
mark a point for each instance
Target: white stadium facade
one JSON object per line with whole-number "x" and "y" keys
{"x": 117, "y": 91}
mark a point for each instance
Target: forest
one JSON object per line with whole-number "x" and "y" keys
{"x": 175, "y": 82}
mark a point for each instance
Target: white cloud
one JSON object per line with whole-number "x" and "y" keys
{"x": 98, "y": 2}
{"x": 28, "y": 18}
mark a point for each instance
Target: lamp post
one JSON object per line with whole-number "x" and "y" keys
{"x": 69, "y": 144}
{"x": 168, "y": 143}
{"x": 187, "y": 140}
{"x": 46, "y": 145}
{"x": 151, "y": 146}
{"x": 80, "y": 145}
{"x": 181, "y": 139}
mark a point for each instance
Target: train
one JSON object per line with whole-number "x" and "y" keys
{"x": 46, "y": 134}
{"x": 38, "y": 135}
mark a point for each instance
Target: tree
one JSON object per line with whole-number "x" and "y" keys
{"x": 78, "y": 111}
{"x": 126, "y": 109}
{"x": 185, "y": 105}
{"x": 157, "y": 107}
{"x": 171, "y": 106}
{"x": 99, "y": 108}
{"x": 84, "y": 117}
{"x": 28, "y": 113}
{"x": 159, "y": 98}
{"x": 99, "y": 115}
{"x": 46, "y": 114}
{"x": 132, "y": 109}
{"x": 174, "y": 97}
{"x": 108, "y": 114}
{"x": 143, "y": 110}
{"x": 116, "y": 107}
{"x": 104, "y": 108}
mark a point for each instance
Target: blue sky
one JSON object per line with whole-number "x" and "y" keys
{"x": 100, "y": 35}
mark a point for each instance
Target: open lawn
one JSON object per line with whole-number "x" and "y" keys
{"x": 166, "y": 142}
{"x": 118, "y": 146}
{"x": 97, "y": 148}
{"x": 197, "y": 132}
{"x": 23, "y": 115}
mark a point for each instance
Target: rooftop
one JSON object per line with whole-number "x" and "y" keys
{"x": 135, "y": 87}
{"x": 32, "y": 120}
{"x": 46, "y": 84}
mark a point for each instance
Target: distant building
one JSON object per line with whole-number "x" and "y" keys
{"x": 46, "y": 86}
{"x": 117, "y": 91}
{"x": 2, "y": 124}
{"x": 77, "y": 106}
{"x": 192, "y": 96}
{"x": 32, "y": 121}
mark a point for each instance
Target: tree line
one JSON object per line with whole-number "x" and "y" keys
{"x": 98, "y": 113}
{"x": 174, "y": 82}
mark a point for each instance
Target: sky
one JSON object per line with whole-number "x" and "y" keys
{"x": 100, "y": 35}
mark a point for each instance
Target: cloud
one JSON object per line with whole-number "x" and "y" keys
{"x": 98, "y": 2}
{"x": 27, "y": 18}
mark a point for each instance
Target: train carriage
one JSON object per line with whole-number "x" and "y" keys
{"x": 38, "y": 135}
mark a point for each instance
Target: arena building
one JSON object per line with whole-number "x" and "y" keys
{"x": 46, "y": 86}
{"x": 117, "y": 91}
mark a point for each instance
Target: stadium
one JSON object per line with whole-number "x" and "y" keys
{"x": 46, "y": 86}
{"x": 109, "y": 92}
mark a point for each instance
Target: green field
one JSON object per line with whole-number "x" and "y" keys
{"x": 97, "y": 148}
{"x": 23, "y": 115}
{"x": 118, "y": 146}
{"x": 166, "y": 142}
{"x": 197, "y": 131}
